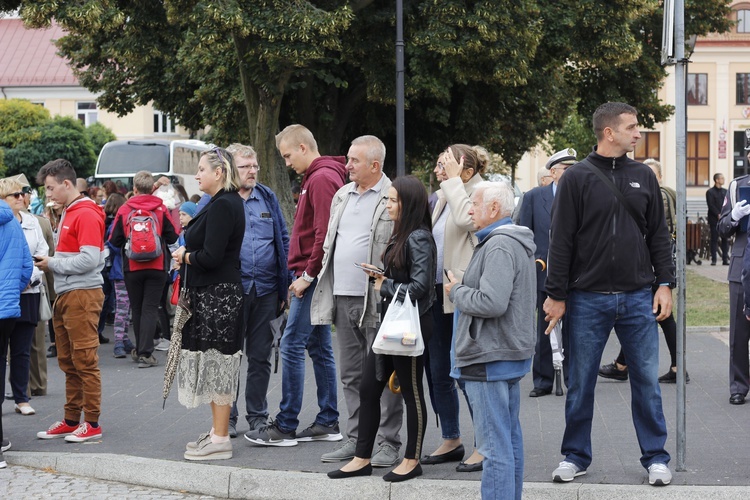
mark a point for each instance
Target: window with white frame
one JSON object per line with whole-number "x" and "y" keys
{"x": 163, "y": 123}
{"x": 87, "y": 113}
{"x": 743, "y": 21}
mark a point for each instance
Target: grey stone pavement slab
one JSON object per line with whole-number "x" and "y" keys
{"x": 143, "y": 443}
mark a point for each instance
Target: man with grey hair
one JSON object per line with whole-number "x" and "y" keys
{"x": 346, "y": 298}
{"x": 494, "y": 337}
{"x": 144, "y": 281}
{"x": 265, "y": 282}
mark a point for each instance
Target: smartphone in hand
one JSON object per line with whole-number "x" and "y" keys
{"x": 376, "y": 270}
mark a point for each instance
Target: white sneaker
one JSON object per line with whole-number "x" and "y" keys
{"x": 163, "y": 345}
{"x": 567, "y": 471}
{"x": 659, "y": 474}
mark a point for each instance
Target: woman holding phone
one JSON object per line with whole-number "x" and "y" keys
{"x": 409, "y": 261}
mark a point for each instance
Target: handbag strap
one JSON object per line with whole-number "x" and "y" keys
{"x": 611, "y": 185}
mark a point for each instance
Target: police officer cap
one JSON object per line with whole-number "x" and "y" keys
{"x": 566, "y": 156}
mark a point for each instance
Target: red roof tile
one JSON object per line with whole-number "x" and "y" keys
{"x": 29, "y": 57}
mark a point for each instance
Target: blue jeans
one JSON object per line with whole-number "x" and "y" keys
{"x": 498, "y": 435}
{"x": 591, "y": 317}
{"x": 443, "y": 392}
{"x": 298, "y": 336}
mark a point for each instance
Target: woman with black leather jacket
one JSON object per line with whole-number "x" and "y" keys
{"x": 409, "y": 261}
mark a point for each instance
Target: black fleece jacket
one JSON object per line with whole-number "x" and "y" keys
{"x": 595, "y": 244}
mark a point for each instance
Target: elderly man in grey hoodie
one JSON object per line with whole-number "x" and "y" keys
{"x": 495, "y": 334}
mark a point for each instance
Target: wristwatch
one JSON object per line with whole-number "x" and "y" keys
{"x": 307, "y": 277}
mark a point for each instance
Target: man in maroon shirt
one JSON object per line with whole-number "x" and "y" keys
{"x": 322, "y": 177}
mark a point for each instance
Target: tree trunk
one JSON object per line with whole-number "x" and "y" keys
{"x": 262, "y": 105}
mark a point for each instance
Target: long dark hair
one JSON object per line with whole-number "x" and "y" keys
{"x": 414, "y": 214}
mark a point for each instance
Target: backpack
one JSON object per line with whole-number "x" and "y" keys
{"x": 143, "y": 246}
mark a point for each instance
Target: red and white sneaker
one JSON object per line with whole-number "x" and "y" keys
{"x": 84, "y": 433}
{"x": 57, "y": 430}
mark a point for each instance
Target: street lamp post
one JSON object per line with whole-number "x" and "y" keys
{"x": 400, "y": 141}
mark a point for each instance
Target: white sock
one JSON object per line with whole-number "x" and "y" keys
{"x": 219, "y": 439}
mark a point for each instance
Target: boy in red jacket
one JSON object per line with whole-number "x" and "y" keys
{"x": 76, "y": 266}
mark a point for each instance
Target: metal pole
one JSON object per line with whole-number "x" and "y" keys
{"x": 400, "y": 142}
{"x": 680, "y": 140}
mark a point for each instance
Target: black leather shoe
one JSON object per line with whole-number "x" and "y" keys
{"x": 103, "y": 339}
{"x": 52, "y": 351}
{"x": 535, "y": 393}
{"x": 455, "y": 455}
{"x": 611, "y": 371}
{"x": 339, "y": 474}
{"x": 464, "y": 467}
{"x": 392, "y": 477}
{"x": 737, "y": 399}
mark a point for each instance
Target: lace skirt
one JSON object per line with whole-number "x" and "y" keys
{"x": 211, "y": 346}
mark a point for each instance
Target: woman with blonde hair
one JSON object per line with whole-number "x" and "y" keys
{"x": 23, "y": 331}
{"x": 209, "y": 264}
{"x": 459, "y": 169}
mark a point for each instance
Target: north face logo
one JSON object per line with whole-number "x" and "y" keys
{"x": 635, "y": 185}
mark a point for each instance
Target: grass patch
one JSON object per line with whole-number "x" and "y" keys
{"x": 707, "y": 301}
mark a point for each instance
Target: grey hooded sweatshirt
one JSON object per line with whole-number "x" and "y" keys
{"x": 497, "y": 299}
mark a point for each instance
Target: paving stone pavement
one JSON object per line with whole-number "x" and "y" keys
{"x": 136, "y": 426}
{"x": 23, "y": 482}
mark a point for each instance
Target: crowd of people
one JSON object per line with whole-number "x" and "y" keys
{"x": 589, "y": 250}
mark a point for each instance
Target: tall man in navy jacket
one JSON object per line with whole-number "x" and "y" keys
{"x": 265, "y": 282}
{"x": 536, "y": 214}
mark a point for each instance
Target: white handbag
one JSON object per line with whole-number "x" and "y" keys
{"x": 45, "y": 311}
{"x": 400, "y": 333}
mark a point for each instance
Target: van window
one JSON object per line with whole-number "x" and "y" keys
{"x": 185, "y": 160}
{"x": 127, "y": 158}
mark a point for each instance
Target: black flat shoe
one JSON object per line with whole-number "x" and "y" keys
{"x": 464, "y": 467}
{"x": 535, "y": 393}
{"x": 392, "y": 477}
{"x": 737, "y": 399}
{"x": 103, "y": 339}
{"x": 339, "y": 474}
{"x": 455, "y": 455}
{"x": 52, "y": 351}
{"x": 671, "y": 378}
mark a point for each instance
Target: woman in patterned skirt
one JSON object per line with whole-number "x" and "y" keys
{"x": 212, "y": 337}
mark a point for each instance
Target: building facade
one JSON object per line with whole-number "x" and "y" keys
{"x": 31, "y": 69}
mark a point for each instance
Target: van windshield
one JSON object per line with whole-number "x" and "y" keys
{"x": 127, "y": 158}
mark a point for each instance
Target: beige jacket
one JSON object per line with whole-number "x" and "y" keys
{"x": 459, "y": 243}
{"x": 381, "y": 228}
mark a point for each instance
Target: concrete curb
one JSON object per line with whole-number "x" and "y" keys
{"x": 237, "y": 482}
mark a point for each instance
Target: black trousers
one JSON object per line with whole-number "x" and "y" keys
{"x": 410, "y": 372}
{"x": 715, "y": 237}
{"x": 144, "y": 291}
{"x": 6, "y": 328}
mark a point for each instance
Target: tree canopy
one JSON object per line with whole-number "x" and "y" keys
{"x": 500, "y": 73}
{"x": 29, "y": 138}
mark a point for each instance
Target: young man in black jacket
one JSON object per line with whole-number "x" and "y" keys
{"x": 603, "y": 259}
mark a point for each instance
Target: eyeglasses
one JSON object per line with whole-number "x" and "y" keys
{"x": 15, "y": 195}
{"x": 249, "y": 166}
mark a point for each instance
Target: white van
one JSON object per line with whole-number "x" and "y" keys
{"x": 120, "y": 160}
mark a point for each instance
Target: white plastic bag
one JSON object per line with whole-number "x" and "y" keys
{"x": 400, "y": 333}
